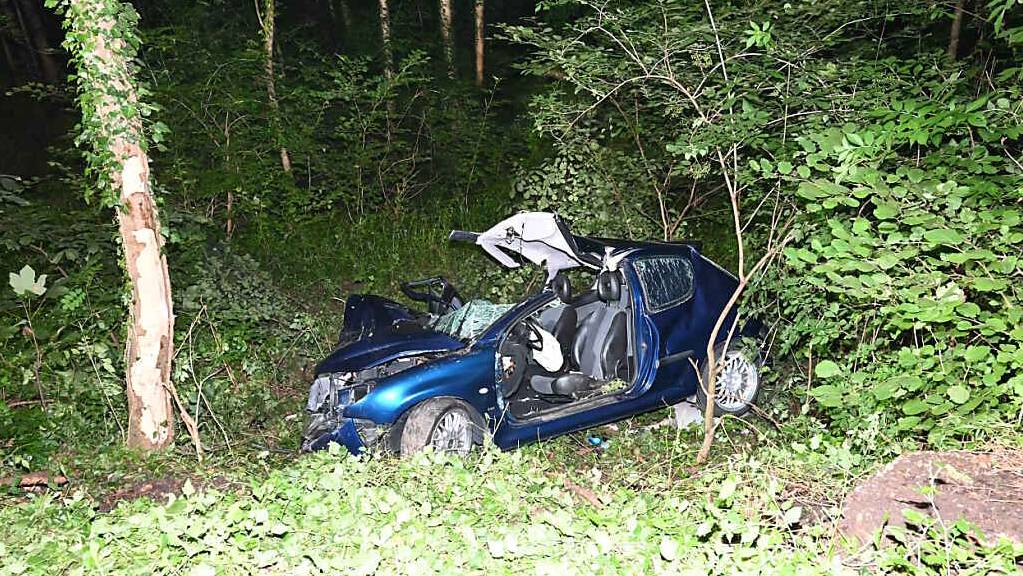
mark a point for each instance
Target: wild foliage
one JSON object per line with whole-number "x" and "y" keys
{"x": 898, "y": 169}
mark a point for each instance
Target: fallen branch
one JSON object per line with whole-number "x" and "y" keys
{"x": 584, "y": 493}
{"x": 20, "y": 403}
{"x": 34, "y": 479}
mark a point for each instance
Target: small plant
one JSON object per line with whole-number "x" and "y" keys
{"x": 25, "y": 286}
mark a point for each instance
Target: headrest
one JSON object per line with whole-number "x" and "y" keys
{"x": 562, "y": 287}
{"x": 609, "y": 286}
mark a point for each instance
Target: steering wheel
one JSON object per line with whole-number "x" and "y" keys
{"x": 534, "y": 338}
{"x": 528, "y": 334}
{"x": 440, "y": 296}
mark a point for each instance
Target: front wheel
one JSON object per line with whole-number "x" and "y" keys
{"x": 738, "y": 380}
{"x": 446, "y": 424}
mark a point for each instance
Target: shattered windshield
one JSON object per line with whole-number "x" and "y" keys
{"x": 470, "y": 320}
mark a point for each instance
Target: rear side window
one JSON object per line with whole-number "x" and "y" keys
{"x": 667, "y": 281}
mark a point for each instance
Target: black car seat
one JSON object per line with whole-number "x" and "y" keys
{"x": 601, "y": 343}
{"x": 565, "y": 327}
{"x": 600, "y": 348}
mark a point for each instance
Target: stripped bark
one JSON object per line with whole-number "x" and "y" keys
{"x": 346, "y": 16}
{"x": 105, "y": 68}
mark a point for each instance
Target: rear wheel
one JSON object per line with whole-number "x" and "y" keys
{"x": 446, "y": 424}
{"x": 738, "y": 380}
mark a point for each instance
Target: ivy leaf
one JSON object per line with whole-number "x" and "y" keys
{"x": 826, "y": 369}
{"x": 26, "y": 281}
{"x": 958, "y": 394}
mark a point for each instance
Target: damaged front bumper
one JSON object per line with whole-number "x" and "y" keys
{"x": 329, "y": 396}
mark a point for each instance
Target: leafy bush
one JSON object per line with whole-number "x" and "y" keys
{"x": 901, "y": 280}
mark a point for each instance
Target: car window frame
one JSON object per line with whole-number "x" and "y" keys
{"x": 647, "y": 302}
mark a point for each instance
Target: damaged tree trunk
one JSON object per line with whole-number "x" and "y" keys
{"x": 110, "y": 114}
{"x": 267, "y": 22}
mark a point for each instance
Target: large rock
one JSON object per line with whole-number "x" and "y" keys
{"x": 984, "y": 488}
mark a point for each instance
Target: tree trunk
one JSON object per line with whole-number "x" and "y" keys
{"x": 446, "y": 37}
{"x": 12, "y": 66}
{"x": 19, "y": 33}
{"x": 957, "y": 25}
{"x": 13, "y": 33}
{"x": 40, "y": 45}
{"x": 385, "y": 39}
{"x": 104, "y": 73}
{"x": 268, "y": 24}
{"x": 346, "y": 17}
{"x": 480, "y": 24}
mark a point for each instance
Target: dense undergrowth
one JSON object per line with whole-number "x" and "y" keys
{"x": 634, "y": 507}
{"x": 894, "y": 310}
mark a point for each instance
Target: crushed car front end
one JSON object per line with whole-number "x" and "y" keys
{"x": 332, "y": 393}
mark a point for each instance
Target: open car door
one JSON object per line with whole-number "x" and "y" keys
{"x": 539, "y": 237}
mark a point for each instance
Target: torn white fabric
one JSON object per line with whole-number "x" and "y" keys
{"x": 537, "y": 236}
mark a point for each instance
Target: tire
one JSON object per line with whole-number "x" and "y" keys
{"x": 742, "y": 364}
{"x": 447, "y": 424}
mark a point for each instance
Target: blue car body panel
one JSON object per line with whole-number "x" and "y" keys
{"x": 469, "y": 371}
{"x": 469, "y": 376}
{"x": 383, "y": 347}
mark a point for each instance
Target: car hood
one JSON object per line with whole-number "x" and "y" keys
{"x": 377, "y": 330}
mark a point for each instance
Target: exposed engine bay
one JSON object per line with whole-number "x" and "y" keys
{"x": 331, "y": 393}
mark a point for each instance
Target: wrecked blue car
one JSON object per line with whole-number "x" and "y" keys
{"x": 631, "y": 340}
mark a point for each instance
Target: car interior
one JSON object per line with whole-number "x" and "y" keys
{"x": 572, "y": 349}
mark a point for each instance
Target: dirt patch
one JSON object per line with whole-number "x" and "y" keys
{"x": 157, "y": 490}
{"x": 983, "y": 488}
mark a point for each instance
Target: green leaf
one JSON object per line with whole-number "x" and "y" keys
{"x": 785, "y": 167}
{"x": 914, "y": 406}
{"x": 977, "y": 353}
{"x": 792, "y": 515}
{"x": 829, "y": 396}
{"x": 26, "y": 281}
{"x": 886, "y": 211}
{"x": 727, "y": 488}
{"x": 826, "y": 369}
{"x": 943, "y": 236}
{"x": 958, "y": 394}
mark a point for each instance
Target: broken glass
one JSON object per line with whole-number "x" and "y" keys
{"x": 470, "y": 320}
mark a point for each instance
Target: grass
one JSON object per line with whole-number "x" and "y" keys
{"x": 561, "y": 507}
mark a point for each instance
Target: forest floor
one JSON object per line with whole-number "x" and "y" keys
{"x": 765, "y": 504}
